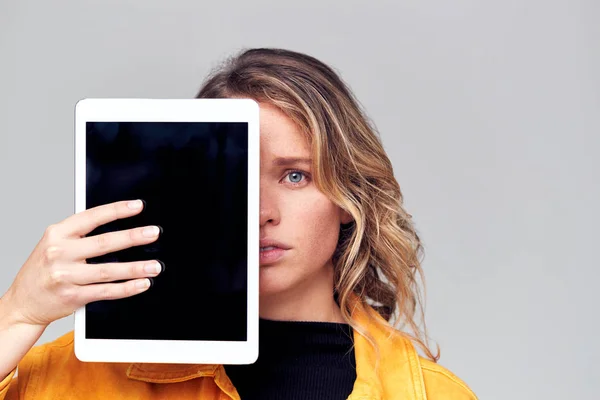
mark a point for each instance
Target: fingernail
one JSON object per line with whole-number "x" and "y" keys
{"x": 150, "y": 231}
{"x": 152, "y": 268}
{"x": 135, "y": 204}
{"x": 142, "y": 284}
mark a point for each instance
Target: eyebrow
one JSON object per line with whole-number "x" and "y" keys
{"x": 286, "y": 161}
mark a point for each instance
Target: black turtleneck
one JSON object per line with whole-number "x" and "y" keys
{"x": 298, "y": 361}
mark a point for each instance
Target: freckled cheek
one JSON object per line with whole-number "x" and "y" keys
{"x": 314, "y": 227}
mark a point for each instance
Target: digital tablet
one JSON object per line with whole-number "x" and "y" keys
{"x": 195, "y": 164}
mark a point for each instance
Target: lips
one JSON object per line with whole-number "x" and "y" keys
{"x": 272, "y": 251}
{"x": 273, "y": 243}
{"x": 271, "y": 256}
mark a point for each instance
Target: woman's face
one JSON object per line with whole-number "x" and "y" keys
{"x": 293, "y": 212}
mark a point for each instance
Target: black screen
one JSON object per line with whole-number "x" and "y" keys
{"x": 193, "y": 177}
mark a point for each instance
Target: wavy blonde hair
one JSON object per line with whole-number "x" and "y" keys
{"x": 378, "y": 257}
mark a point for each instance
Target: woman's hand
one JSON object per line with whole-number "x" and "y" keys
{"x": 56, "y": 280}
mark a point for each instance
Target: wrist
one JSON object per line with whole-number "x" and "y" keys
{"x": 11, "y": 316}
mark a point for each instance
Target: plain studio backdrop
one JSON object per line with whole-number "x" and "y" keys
{"x": 489, "y": 110}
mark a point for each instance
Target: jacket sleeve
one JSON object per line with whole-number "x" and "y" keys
{"x": 9, "y": 387}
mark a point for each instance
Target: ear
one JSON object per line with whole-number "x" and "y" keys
{"x": 345, "y": 217}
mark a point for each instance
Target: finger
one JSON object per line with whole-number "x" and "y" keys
{"x": 112, "y": 291}
{"x": 84, "y": 222}
{"x": 109, "y": 242}
{"x": 85, "y": 274}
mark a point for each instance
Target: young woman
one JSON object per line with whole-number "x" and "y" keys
{"x": 331, "y": 300}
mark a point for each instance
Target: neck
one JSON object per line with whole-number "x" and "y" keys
{"x": 311, "y": 301}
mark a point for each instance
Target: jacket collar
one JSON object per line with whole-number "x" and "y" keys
{"x": 398, "y": 375}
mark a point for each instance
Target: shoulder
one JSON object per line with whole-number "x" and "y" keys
{"x": 404, "y": 367}
{"x": 440, "y": 382}
{"x": 57, "y": 358}
{"x": 61, "y": 342}
{"x": 423, "y": 376}
{"x": 61, "y": 346}
{"x": 36, "y": 361}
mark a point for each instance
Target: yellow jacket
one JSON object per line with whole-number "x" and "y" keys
{"x": 51, "y": 371}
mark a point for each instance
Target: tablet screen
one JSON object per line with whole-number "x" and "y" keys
{"x": 193, "y": 177}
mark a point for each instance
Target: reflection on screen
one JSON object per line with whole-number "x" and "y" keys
{"x": 194, "y": 179}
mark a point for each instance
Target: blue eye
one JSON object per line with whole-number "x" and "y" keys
{"x": 295, "y": 174}
{"x": 295, "y": 177}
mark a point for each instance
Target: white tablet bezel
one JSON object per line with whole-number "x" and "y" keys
{"x": 188, "y": 110}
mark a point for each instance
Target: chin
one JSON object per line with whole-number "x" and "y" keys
{"x": 273, "y": 280}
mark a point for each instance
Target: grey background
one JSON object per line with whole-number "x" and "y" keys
{"x": 489, "y": 111}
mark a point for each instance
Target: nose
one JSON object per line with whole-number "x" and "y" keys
{"x": 268, "y": 207}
